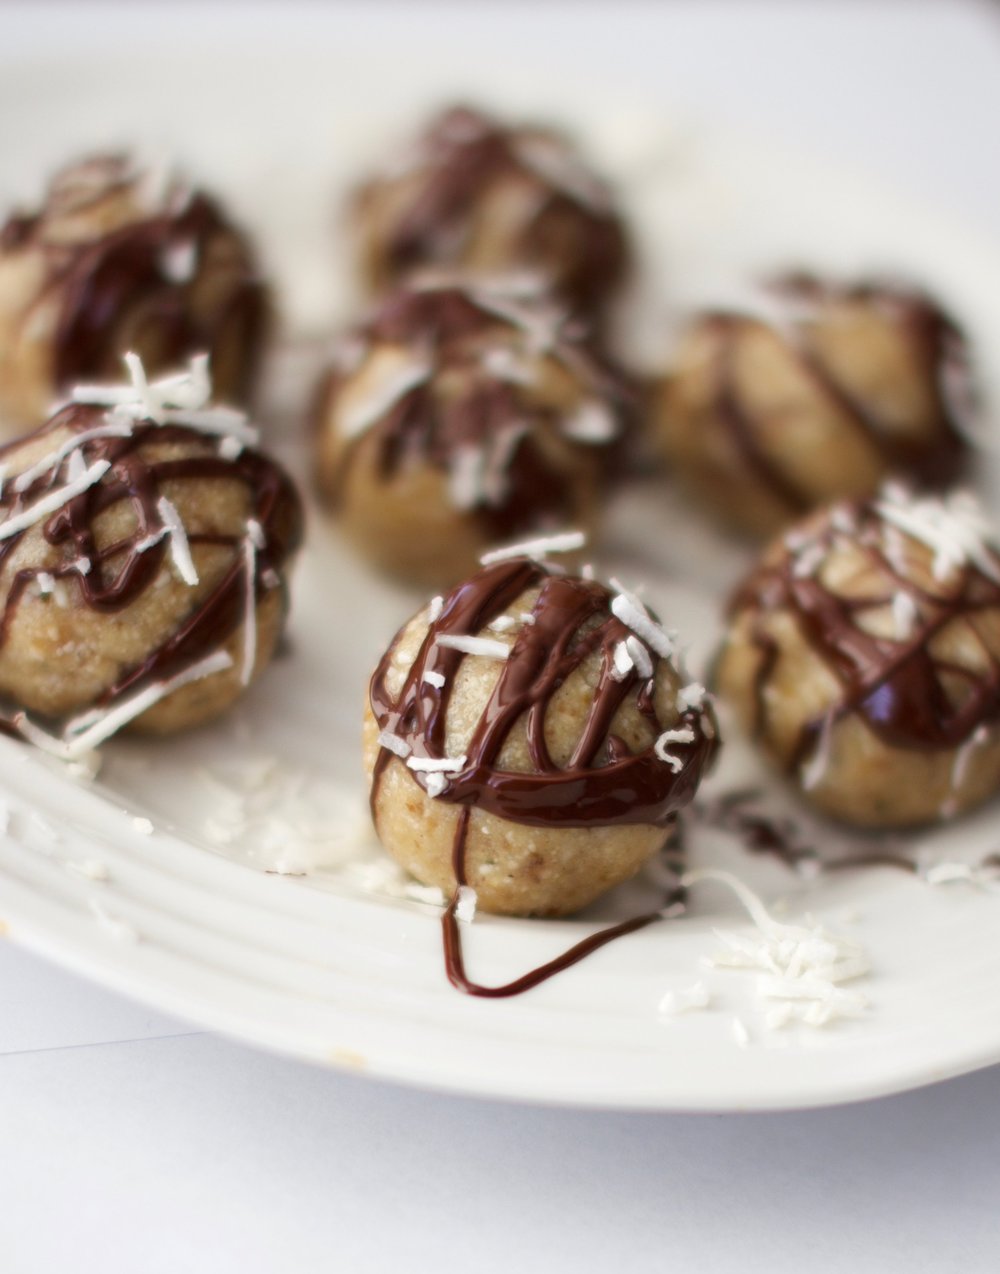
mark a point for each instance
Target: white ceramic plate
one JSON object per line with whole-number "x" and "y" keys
{"x": 340, "y": 965}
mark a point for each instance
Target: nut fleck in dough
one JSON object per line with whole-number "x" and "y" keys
{"x": 136, "y": 547}
{"x": 119, "y": 259}
{"x": 462, "y": 415}
{"x": 863, "y": 654}
{"x": 571, "y": 756}
{"x": 476, "y": 195}
{"x": 819, "y": 395}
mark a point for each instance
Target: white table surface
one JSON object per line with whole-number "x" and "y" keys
{"x": 130, "y": 1142}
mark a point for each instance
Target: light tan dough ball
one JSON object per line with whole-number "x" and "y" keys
{"x": 863, "y": 655}
{"x": 119, "y": 259}
{"x": 461, "y": 416}
{"x": 819, "y": 395}
{"x": 157, "y": 548}
{"x": 562, "y": 783}
{"x": 475, "y": 195}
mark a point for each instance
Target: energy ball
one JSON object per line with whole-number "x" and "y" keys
{"x": 529, "y": 736}
{"x": 863, "y": 654}
{"x": 471, "y": 193}
{"x": 143, "y": 549}
{"x": 819, "y": 394}
{"x": 121, "y": 259}
{"x": 461, "y": 415}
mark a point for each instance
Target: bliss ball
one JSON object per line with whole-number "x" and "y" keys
{"x": 461, "y": 415}
{"x": 122, "y": 259}
{"x": 144, "y": 545}
{"x": 475, "y": 194}
{"x": 531, "y": 736}
{"x": 818, "y": 392}
{"x": 863, "y": 655}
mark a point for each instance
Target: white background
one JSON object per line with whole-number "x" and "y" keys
{"x": 129, "y": 1142}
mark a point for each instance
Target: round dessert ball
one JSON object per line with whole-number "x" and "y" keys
{"x": 474, "y": 194}
{"x": 120, "y": 259}
{"x": 818, "y": 393}
{"x": 142, "y": 566}
{"x": 529, "y": 736}
{"x": 460, "y": 416}
{"x": 863, "y": 655}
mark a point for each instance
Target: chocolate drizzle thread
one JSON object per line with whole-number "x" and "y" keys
{"x": 603, "y": 782}
{"x": 124, "y": 277}
{"x": 938, "y": 346}
{"x": 573, "y": 233}
{"x": 907, "y": 695}
{"x": 120, "y": 572}
{"x": 453, "y": 328}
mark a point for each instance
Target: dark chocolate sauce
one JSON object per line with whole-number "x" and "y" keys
{"x": 938, "y": 347}
{"x": 602, "y": 783}
{"x": 120, "y": 572}
{"x": 905, "y": 693}
{"x": 574, "y": 236}
{"x": 464, "y": 404}
{"x": 116, "y": 286}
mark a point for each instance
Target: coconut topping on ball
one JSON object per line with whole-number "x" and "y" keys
{"x": 468, "y": 177}
{"x": 461, "y": 392}
{"x": 872, "y": 587}
{"x": 792, "y": 304}
{"x": 120, "y": 446}
{"x": 136, "y": 251}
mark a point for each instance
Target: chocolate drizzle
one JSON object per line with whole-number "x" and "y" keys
{"x": 602, "y": 784}
{"x": 469, "y": 401}
{"x": 908, "y": 695}
{"x": 109, "y": 579}
{"x": 140, "y": 279}
{"x": 573, "y": 232}
{"x": 938, "y": 349}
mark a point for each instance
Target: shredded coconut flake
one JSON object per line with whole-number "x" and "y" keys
{"x": 813, "y": 770}
{"x": 465, "y": 904}
{"x": 627, "y": 607}
{"x": 566, "y": 542}
{"x": 622, "y": 663}
{"x": 435, "y": 784}
{"x": 437, "y": 765}
{"x": 47, "y": 504}
{"x": 179, "y": 399}
{"x": 690, "y": 1000}
{"x": 143, "y": 825}
{"x": 84, "y": 733}
{"x": 71, "y": 451}
{"x": 954, "y": 527}
{"x": 640, "y": 657}
{"x": 470, "y": 645}
{"x": 249, "y": 610}
{"x": 435, "y": 679}
{"x": 802, "y": 964}
{"x": 434, "y": 609}
{"x": 393, "y": 387}
{"x": 904, "y": 614}
{"x": 393, "y": 743}
{"x": 691, "y": 697}
{"x": 592, "y": 422}
{"x": 180, "y": 549}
